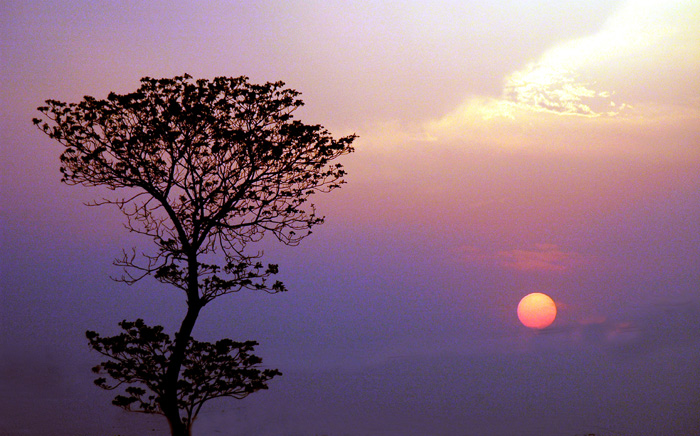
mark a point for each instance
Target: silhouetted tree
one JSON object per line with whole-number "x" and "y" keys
{"x": 206, "y": 167}
{"x": 141, "y": 355}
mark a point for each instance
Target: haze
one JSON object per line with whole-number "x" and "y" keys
{"x": 505, "y": 148}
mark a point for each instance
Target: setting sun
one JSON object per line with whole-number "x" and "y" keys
{"x": 537, "y": 311}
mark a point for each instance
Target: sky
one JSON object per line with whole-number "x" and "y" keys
{"x": 505, "y": 147}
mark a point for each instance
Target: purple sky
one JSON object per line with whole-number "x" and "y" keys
{"x": 505, "y": 148}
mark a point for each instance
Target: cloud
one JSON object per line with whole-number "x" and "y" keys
{"x": 539, "y": 257}
{"x": 580, "y": 76}
{"x": 558, "y": 89}
{"x": 542, "y": 257}
{"x": 651, "y": 328}
{"x": 590, "y": 95}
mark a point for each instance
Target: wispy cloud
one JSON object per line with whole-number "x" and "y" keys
{"x": 539, "y": 257}
{"x": 555, "y": 88}
{"x": 641, "y": 331}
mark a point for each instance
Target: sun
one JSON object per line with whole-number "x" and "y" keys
{"x": 537, "y": 310}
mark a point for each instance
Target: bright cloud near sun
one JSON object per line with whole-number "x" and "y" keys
{"x": 564, "y": 79}
{"x": 638, "y": 72}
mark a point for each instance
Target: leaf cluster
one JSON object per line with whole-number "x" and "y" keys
{"x": 139, "y": 356}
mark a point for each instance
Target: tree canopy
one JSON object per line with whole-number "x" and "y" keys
{"x": 140, "y": 355}
{"x": 215, "y": 165}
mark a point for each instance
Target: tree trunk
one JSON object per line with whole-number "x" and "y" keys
{"x": 177, "y": 428}
{"x": 169, "y": 398}
{"x": 168, "y": 401}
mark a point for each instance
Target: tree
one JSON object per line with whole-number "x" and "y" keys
{"x": 203, "y": 168}
{"x": 141, "y": 355}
